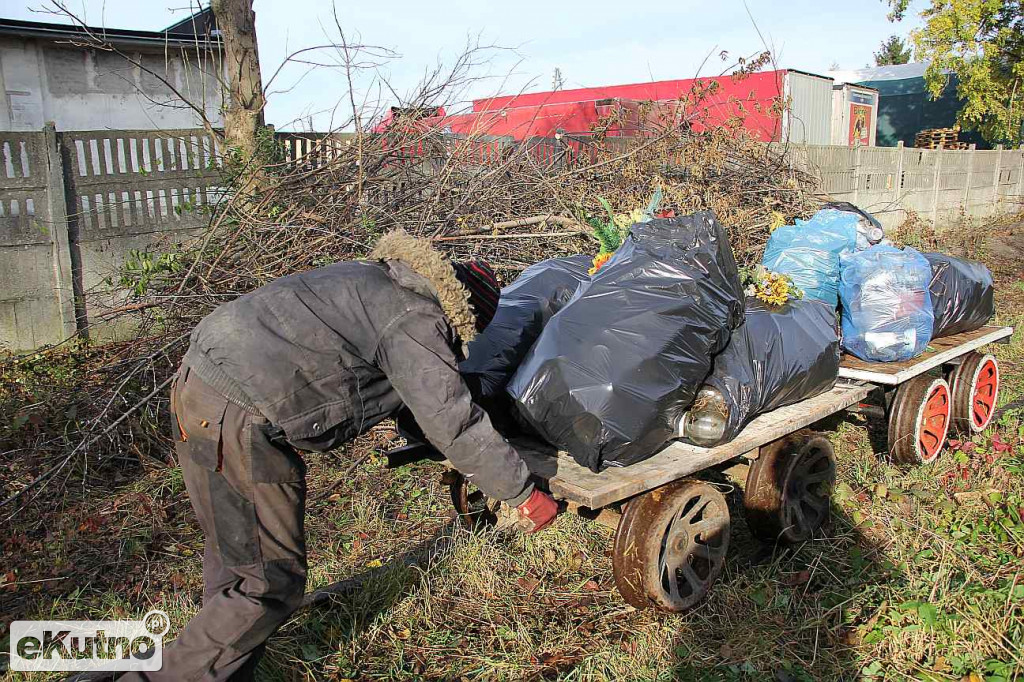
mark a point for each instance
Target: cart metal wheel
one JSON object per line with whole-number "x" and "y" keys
{"x": 919, "y": 420}
{"x": 789, "y": 488}
{"x": 476, "y": 510}
{"x": 975, "y": 385}
{"x": 670, "y": 546}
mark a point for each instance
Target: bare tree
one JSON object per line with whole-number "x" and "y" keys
{"x": 244, "y": 113}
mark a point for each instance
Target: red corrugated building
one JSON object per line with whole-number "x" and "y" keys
{"x": 752, "y": 101}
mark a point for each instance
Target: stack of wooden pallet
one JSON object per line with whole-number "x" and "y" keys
{"x": 936, "y": 138}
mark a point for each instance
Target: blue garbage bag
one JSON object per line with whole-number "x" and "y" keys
{"x": 887, "y": 308}
{"x": 809, "y": 252}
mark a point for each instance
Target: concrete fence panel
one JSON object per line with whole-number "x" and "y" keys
{"x": 74, "y": 205}
{"x": 36, "y": 297}
{"x": 131, "y": 190}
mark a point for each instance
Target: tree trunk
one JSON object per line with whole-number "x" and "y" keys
{"x": 244, "y": 113}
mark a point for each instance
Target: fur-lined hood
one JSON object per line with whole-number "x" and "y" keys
{"x": 424, "y": 260}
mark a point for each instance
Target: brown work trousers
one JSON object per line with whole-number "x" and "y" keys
{"x": 248, "y": 489}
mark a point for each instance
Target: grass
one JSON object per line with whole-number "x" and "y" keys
{"x": 919, "y": 574}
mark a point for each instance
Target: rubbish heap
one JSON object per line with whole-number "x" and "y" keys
{"x": 662, "y": 343}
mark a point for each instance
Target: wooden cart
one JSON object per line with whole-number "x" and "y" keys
{"x": 672, "y": 530}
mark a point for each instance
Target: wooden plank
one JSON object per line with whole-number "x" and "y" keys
{"x": 944, "y": 350}
{"x": 568, "y": 480}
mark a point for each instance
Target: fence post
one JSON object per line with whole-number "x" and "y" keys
{"x": 856, "y": 175}
{"x": 897, "y": 185}
{"x": 1020, "y": 176}
{"x": 935, "y": 187}
{"x": 970, "y": 173}
{"x": 995, "y": 179}
{"x": 60, "y": 243}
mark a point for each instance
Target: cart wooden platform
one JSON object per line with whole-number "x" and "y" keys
{"x": 672, "y": 533}
{"x": 570, "y": 481}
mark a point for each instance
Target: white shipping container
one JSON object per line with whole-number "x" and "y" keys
{"x": 808, "y": 118}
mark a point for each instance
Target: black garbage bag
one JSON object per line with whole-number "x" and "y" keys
{"x": 525, "y": 307}
{"x": 962, "y": 295}
{"x": 777, "y": 357}
{"x": 614, "y": 370}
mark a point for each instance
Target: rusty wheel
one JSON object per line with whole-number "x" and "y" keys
{"x": 919, "y": 420}
{"x": 624, "y": 553}
{"x": 476, "y": 510}
{"x": 975, "y": 387}
{"x": 670, "y": 546}
{"x": 789, "y": 488}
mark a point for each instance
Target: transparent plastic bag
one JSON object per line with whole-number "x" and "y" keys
{"x": 886, "y": 308}
{"x": 809, "y": 251}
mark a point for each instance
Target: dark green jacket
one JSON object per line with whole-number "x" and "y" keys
{"x": 326, "y": 354}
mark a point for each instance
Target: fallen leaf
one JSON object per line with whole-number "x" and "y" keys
{"x": 528, "y": 584}
{"x": 851, "y": 637}
{"x": 998, "y": 445}
{"x": 591, "y": 585}
{"x": 376, "y": 563}
{"x": 404, "y": 633}
{"x": 551, "y": 660}
{"x": 334, "y": 498}
{"x": 794, "y": 579}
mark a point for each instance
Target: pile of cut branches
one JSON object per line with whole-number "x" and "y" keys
{"x": 513, "y": 203}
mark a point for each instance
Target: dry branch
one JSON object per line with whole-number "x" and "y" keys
{"x": 468, "y": 194}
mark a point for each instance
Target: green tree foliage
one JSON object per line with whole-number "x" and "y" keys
{"x": 893, "y": 51}
{"x": 981, "y": 42}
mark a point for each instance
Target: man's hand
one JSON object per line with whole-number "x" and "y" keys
{"x": 537, "y": 512}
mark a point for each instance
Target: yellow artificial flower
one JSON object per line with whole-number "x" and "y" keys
{"x": 599, "y": 260}
{"x": 624, "y": 220}
{"x": 774, "y": 289}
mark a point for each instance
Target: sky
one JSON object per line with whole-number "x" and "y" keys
{"x": 591, "y": 42}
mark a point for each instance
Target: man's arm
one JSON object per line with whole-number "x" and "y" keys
{"x": 415, "y": 355}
